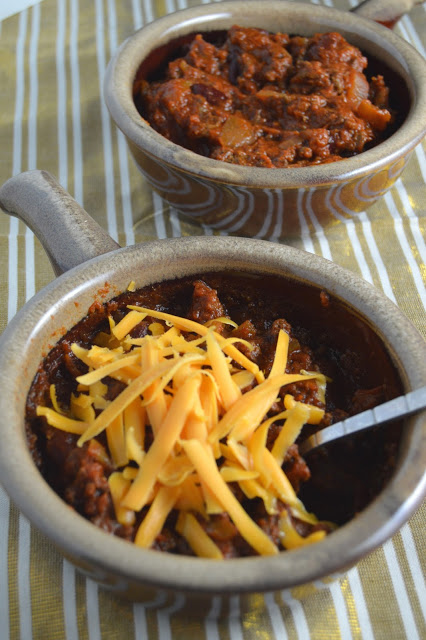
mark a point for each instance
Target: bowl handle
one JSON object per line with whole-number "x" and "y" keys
{"x": 386, "y": 12}
{"x": 67, "y": 232}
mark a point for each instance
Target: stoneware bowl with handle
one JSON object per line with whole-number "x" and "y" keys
{"x": 88, "y": 259}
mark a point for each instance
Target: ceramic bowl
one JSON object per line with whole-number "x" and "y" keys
{"x": 91, "y": 259}
{"x": 259, "y": 202}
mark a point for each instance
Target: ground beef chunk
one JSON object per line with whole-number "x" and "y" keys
{"x": 205, "y": 303}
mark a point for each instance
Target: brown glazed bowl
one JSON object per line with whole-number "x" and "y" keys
{"x": 261, "y": 202}
{"x": 90, "y": 258}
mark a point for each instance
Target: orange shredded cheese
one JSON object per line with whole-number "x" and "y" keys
{"x": 62, "y": 422}
{"x": 190, "y": 393}
{"x": 119, "y": 485}
{"x": 116, "y": 441}
{"x": 189, "y": 527}
{"x": 208, "y": 471}
{"x": 291, "y": 539}
{"x": 153, "y": 522}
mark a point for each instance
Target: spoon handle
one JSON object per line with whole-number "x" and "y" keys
{"x": 396, "y": 408}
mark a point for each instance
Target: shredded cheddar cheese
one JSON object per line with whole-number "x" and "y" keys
{"x": 189, "y": 527}
{"x": 207, "y": 406}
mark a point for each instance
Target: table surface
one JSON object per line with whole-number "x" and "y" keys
{"x": 52, "y": 116}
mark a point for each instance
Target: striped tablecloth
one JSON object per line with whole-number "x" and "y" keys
{"x": 52, "y": 116}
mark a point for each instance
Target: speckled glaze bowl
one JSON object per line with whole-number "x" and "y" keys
{"x": 259, "y": 202}
{"x": 91, "y": 259}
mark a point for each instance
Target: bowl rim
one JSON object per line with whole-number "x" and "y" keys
{"x": 122, "y": 68}
{"x": 104, "y": 554}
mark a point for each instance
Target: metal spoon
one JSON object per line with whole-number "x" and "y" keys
{"x": 396, "y": 408}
